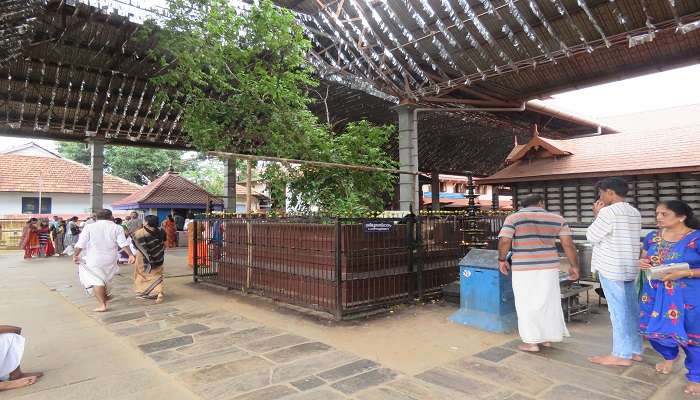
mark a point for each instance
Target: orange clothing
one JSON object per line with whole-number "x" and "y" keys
{"x": 202, "y": 253}
{"x": 170, "y": 233}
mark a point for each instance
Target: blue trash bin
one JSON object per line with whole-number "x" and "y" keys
{"x": 486, "y": 296}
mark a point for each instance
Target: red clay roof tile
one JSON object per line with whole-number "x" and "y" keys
{"x": 670, "y": 150}
{"x": 53, "y": 175}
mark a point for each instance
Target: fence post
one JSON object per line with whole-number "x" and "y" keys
{"x": 195, "y": 244}
{"x": 410, "y": 236}
{"x": 249, "y": 250}
{"x": 338, "y": 269}
{"x": 419, "y": 256}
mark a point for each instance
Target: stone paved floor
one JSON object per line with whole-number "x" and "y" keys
{"x": 221, "y": 355}
{"x": 217, "y": 353}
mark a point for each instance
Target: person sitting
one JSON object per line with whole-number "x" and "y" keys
{"x": 11, "y": 351}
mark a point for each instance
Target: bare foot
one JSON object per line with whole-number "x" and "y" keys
{"x": 637, "y": 358}
{"x": 546, "y": 344}
{"x": 18, "y": 383}
{"x": 665, "y": 367}
{"x": 101, "y": 309}
{"x": 693, "y": 389}
{"x": 610, "y": 360}
{"x": 159, "y": 299}
{"x": 34, "y": 374}
{"x": 532, "y": 348}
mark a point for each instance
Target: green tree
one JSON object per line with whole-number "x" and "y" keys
{"x": 345, "y": 192}
{"x": 209, "y": 175}
{"x": 242, "y": 79}
{"x": 75, "y": 151}
{"x": 134, "y": 164}
{"x": 141, "y": 165}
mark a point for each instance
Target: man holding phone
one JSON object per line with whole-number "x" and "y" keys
{"x": 615, "y": 234}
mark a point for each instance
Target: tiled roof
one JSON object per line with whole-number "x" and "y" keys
{"x": 668, "y": 150}
{"x": 53, "y": 175}
{"x": 171, "y": 189}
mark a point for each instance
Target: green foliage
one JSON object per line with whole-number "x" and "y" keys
{"x": 141, "y": 165}
{"x": 243, "y": 81}
{"x": 135, "y": 164}
{"x": 75, "y": 151}
{"x": 344, "y": 192}
{"x": 240, "y": 77}
{"x": 209, "y": 175}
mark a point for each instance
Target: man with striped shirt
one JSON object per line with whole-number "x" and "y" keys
{"x": 531, "y": 233}
{"x": 615, "y": 234}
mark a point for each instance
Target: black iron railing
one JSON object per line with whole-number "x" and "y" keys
{"x": 344, "y": 266}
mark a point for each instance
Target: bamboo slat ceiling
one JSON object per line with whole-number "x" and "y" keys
{"x": 69, "y": 70}
{"x": 507, "y": 49}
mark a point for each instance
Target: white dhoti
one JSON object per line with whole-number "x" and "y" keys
{"x": 11, "y": 351}
{"x": 96, "y": 275}
{"x": 538, "y": 304}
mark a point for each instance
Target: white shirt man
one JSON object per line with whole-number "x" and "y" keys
{"x": 100, "y": 242}
{"x": 615, "y": 235}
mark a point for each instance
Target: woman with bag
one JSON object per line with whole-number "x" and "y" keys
{"x": 670, "y": 307}
{"x": 150, "y": 256}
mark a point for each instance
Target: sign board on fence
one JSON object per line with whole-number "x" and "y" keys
{"x": 377, "y": 226}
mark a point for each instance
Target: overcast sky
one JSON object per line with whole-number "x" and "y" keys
{"x": 667, "y": 89}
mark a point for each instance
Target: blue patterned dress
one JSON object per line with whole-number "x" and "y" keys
{"x": 670, "y": 311}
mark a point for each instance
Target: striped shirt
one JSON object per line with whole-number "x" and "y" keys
{"x": 615, "y": 235}
{"x": 534, "y": 232}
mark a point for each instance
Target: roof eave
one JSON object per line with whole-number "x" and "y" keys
{"x": 589, "y": 174}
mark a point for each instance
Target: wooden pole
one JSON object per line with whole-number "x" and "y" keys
{"x": 313, "y": 163}
{"x": 248, "y": 186}
{"x": 435, "y": 190}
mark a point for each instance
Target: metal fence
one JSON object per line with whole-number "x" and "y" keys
{"x": 10, "y": 233}
{"x": 343, "y": 266}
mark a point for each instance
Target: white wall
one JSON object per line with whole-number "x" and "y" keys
{"x": 61, "y": 203}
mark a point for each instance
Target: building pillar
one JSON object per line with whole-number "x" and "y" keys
{"x": 408, "y": 159}
{"x": 230, "y": 184}
{"x": 97, "y": 162}
{"x": 435, "y": 189}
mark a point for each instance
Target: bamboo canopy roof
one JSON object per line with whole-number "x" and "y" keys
{"x": 69, "y": 70}
{"x": 496, "y": 49}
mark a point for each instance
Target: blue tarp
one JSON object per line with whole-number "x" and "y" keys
{"x": 445, "y": 195}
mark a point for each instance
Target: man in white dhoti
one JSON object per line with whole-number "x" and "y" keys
{"x": 101, "y": 242}
{"x": 11, "y": 351}
{"x": 531, "y": 233}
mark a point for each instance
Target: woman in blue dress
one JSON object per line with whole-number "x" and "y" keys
{"x": 670, "y": 308}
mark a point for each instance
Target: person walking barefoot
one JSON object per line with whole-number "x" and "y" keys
{"x": 615, "y": 235}
{"x": 101, "y": 242}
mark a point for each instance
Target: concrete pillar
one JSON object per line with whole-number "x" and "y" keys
{"x": 408, "y": 158}
{"x": 97, "y": 162}
{"x": 230, "y": 184}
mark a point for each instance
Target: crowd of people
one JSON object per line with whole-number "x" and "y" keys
{"x": 665, "y": 311}
{"x": 97, "y": 245}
